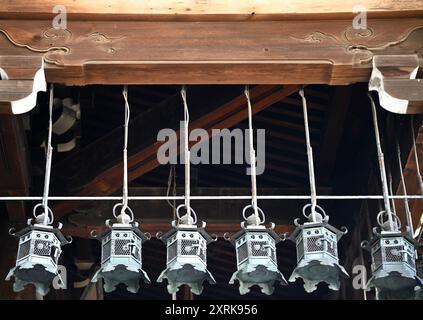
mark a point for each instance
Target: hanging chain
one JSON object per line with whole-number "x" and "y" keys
{"x": 125, "y": 153}
{"x": 382, "y": 166}
{"x": 309, "y": 157}
{"x": 252, "y": 158}
{"x": 404, "y": 191}
{"x": 187, "y": 154}
{"x": 416, "y": 158}
{"x": 49, "y": 156}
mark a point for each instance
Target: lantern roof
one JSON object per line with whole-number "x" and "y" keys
{"x": 123, "y": 227}
{"x": 187, "y": 227}
{"x": 254, "y": 228}
{"x": 41, "y": 227}
{"x": 388, "y": 234}
{"x": 325, "y": 224}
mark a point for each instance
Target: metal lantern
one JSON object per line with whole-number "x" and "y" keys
{"x": 186, "y": 256}
{"x": 121, "y": 260}
{"x": 317, "y": 252}
{"x": 393, "y": 258}
{"x": 256, "y": 257}
{"x": 38, "y": 255}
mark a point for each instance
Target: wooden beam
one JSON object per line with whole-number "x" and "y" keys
{"x": 14, "y": 168}
{"x": 207, "y": 9}
{"x": 212, "y": 228}
{"x": 21, "y": 78}
{"x": 332, "y": 136}
{"x": 223, "y": 216}
{"x": 145, "y": 159}
{"x": 412, "y": 183}
{"x": 394, "y": 78}
{"x": 326, "y": 51}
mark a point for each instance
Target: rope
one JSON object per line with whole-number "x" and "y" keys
{"x": 252, "y": 158}
{"x": 404, "y": 191}
{"x": 171, "y": 183}
{"x": 125, "y": 153}
{"x": 187, "y": 154}
{"x": 309, "y": 157}
{"x": 419, "y": 176}
{"x": 381, "y": 166}
{"x": 49, "y": 156}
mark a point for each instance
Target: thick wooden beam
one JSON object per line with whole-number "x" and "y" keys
{"x": 326, "y": 51}
{"x": 145, "y": 158}
{"x": 14, "y": 171}
{"x": 223, "y": 216}
{"x": 218, "y": 229}
{"x": 21, "y": 78}
{"x": 207, "y": 9}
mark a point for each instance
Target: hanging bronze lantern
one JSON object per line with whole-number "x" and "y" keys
{"x": 393, "y": 257}
{"x": 38, "y": 254}
{"x": 186, "y": 255}
{"x": 121, "y": 254}
{"x": 317, "y": 252}
{"x": 257, "y": 263}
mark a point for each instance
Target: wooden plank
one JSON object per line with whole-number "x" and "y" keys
{"x": 226, "y": 52}
{"x": 145, "y": 159}
{"x": 207, "y": 9}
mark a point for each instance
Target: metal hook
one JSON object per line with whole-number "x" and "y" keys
{"x": 12, "y": 231}
{"x": 226, "y": 236}
{"x": 117, "y": 205}
{"x": 258, "y": 210}
{"x": 193, "y": 214}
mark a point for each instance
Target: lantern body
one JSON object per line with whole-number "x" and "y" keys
{"x": 393, "y": 262}
{"x": 317, "y": 255}
{"x": 186, "y": 258}
{"x": 256, "y": 259}
{"x": 38, "y": 255}
{"x": 121, "y": 260}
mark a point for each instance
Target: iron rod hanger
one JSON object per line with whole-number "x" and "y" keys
{"x": 229, "y": 197}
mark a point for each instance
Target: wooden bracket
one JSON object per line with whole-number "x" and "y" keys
{"x": 394, "y": 78}
{"x": 21, "y": 78}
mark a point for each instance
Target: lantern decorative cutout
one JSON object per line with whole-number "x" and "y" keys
{"x": 256, "y": 256}
{"x": 121, "y": 248}
{"x": 38, "y": 254}
{"x": 317, "y": 252}
{"x": 186, "y": 255}
{"x": 393, "y": 257}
